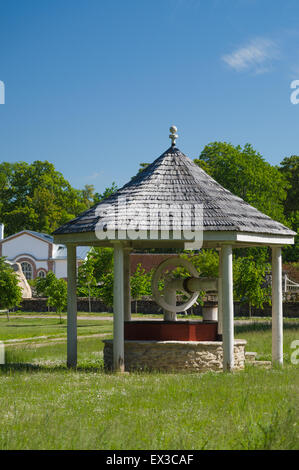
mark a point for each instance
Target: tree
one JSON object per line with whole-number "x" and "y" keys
{"x": 53, "y": 288}
{"x": 102, "y": 259}
{"x": 57, "y": 295}
{"x": 95, "y": 275}
{"x": 143, "y": 166}
{"x": 10, "y": 291}
{"x": 87, "y": 195}
{"x": 140, "y": 284}
{"x": 41, "y": 284}
{"x": 289, "y": 167}
{"x": 206, "y": 262}
{"x": 86, "y": 277}
{"x": 244, "y": 172}
{"x": 249, "y": 281}
{"x": 291, "y": 252}
{"x": 107, "y": 192}
{"x": 37, "y": 197}
{"x": 106, "y": 288}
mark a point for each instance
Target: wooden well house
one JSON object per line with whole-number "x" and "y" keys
{"x": 173, "y": 203}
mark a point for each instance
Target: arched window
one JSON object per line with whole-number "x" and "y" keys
{"x": 27, "y": 270}
{"x": 41, "y": 273}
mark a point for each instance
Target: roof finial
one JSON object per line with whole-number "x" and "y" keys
{"x": 173, "y": 136}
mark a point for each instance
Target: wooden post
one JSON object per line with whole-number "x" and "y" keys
{"x": 277, "y": 314}
{"x": 227, "y": 307}
{"x": 220, "y": 314}
{"x": 71, "y": 306}
{"x": 127, "y": 288}
{"x": 118, "y": 309}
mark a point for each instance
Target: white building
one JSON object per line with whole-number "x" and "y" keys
{"x": 37, "y": 253}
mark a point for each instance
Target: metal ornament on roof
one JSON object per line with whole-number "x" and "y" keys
{"x": 173, "y": 135}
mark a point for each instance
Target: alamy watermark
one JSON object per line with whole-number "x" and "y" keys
{"x": 126, "y": 219}
{"x": 2, "y": 353}
{"x": 294, "y": 97}
{"x": 2, "y": 92}
{"x": 295, "y": 354}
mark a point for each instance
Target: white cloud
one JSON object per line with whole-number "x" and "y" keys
{"x": 256, "y": 56}
{"x": 95, "y": 175}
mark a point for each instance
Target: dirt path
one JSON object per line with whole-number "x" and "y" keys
{"x": 49, "y": 341}
{"x": 92, "y": 317}
{"x": 63, "y": 317}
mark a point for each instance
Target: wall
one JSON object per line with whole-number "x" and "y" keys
{"x": 187, "y": 356}
{"x": 60, "y": 268}
{"x": 148, "y": 261}
{"x": 25, "y": 244}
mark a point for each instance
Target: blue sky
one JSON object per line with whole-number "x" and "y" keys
{"x": 93, "y": 85}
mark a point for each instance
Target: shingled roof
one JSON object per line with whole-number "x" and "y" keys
{"x": 174, "y": 180}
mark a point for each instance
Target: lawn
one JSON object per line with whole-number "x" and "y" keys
{"x": 46, "y": 406}
{"x": 26, "y": 328}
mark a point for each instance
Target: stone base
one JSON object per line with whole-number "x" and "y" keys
{"x": 168, "y": 356}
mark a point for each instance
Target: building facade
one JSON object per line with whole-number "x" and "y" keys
{"x": 37, "y": 254}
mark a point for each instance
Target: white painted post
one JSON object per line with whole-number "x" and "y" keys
{"x": 227, "y": 307}
{"x": 220, "y": 314}
{"x": 118, "y": 309}
{"x": 127, "y": 288}
{"x": 277, "y": 314}
{"x": 71, "y": 306}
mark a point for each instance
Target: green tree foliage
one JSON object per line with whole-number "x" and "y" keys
{"x": 56, "y": 292}
{"x": 54, "y": 289}
{"x": 98, "y": 197}
{"x": 249, "y": 281}
{"x": 95, "y": 275}
{"x": 86, "y": 280}
{"x": 290, "y": 169}
{"x": 102, "y": 261}
{"x": 244, "y": 172}
{"x": 140, "y": 284}
{"x": 106, "y": 288}
{"x": 10, "y": 291}
{"x": 37, "y": 197}
{"x": 291, "y": 252}
{"x": 206, "y": 262}
{"x": 41, "y": 284}
{"x": 142, "y": 166}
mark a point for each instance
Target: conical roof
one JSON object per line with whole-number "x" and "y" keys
{"x": 174, "y": 181}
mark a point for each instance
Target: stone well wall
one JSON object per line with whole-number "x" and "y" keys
{"x": 189, "y": 356}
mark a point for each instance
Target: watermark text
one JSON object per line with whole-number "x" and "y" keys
{"x": 2, "y": 92}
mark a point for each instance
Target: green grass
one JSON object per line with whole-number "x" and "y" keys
{"x": 22, "y": 328}
{"x": 46, "y": 406}
{"x": 258, "y": 336}
{"x": 96, "y": 314}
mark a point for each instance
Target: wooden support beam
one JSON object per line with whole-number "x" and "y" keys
{"x": 127, "y": 288}
{"x": 71, "y": 306}
{"x": 220, "y": 314}
{"x": 118, "y": 309}
{"x": 277, "y": 311}
{"x": 227, "y": 307}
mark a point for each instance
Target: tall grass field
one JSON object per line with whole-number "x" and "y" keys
{"x": 46, "y": 406}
